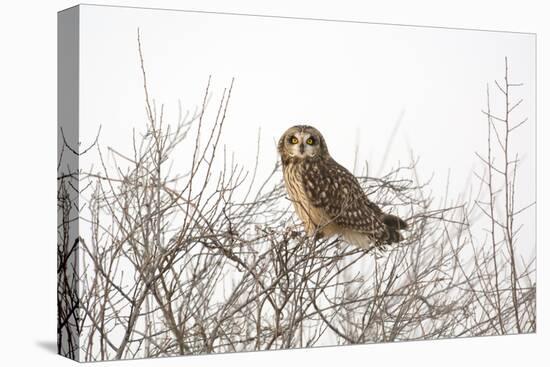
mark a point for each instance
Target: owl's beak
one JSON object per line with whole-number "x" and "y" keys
{"x": 302, "y": 148}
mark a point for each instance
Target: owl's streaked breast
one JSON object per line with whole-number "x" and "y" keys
{"x": 312, "y": 216}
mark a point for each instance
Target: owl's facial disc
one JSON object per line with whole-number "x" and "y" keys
{"x": 302, "y": 145}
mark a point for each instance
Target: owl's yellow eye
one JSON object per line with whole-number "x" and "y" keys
{"x": 309, "y": 141}
{"x": 294, "y": 140}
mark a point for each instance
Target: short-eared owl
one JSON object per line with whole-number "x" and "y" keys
{"x": 327, "y": 197}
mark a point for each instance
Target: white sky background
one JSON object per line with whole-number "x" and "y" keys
{"x": 351, "y": 81}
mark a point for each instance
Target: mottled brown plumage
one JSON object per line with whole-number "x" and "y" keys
{"x": 327, "y": 197}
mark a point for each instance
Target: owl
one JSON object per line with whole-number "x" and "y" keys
{"x": 327, "y": 197}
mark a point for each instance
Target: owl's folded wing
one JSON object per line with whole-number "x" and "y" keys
{"x": 332, "y": 188}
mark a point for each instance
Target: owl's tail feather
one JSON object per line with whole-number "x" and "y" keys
{"x": 394, "y": 224}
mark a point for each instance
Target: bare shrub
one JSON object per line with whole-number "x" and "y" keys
{"x": 215, "y": 261}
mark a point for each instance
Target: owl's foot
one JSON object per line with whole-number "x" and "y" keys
{"x": 318, "y": 236}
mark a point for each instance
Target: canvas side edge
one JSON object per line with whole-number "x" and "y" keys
{"x": 68, "y": 299}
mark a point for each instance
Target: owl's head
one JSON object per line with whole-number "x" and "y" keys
{"x": 302, "y": 142}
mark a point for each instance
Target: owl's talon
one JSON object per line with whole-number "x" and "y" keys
{"x": 317, "y": 236}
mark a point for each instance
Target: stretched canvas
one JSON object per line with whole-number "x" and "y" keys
{"x": 231, "y": 183}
